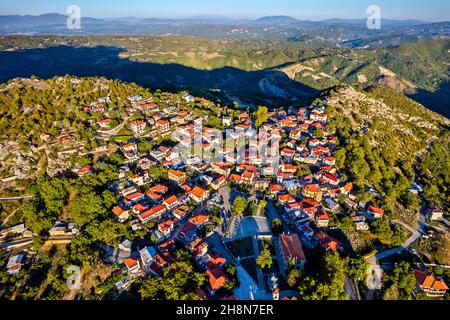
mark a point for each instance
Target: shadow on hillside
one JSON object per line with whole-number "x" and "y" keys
{"x": 256, "y": 86}
{"x": 437, "y": 101}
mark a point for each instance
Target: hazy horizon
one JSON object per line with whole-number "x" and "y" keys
{"x": 431, "y": 11}
{"x": 212, "y": 16}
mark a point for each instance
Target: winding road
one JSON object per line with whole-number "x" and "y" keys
{"x": 113, "y": 132}
{"x": 373, "y": 281}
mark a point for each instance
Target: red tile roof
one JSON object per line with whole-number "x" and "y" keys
{"x": 285, "y": 198}
{"x": 323, "y": 216}
{"x": 138, "y": 123}
{"x": 216, "y": 278}
{"x": 375, "y": 210}
{"x": 171, "y": 200}
{"x": 312, "y": 188}
{"x": 118, "y": 211}
{"x": 235, "y": 178}
{"x": 199, "y": 219}
{"x": 181, "y": 210}
{"x": 134, "y": 195}
{"x": 167, "y": 245}
{"x": 197, "y": 192}
{"x": 186, "y": 187}
{"x": 85, "y": 169}
{"x": 130, "y": 263}
{"x": 179, "y": 174}
{"x": 153, "y": 211}
{"x": 162, "y": 122}
{"x": 348, "y": 187}
{"x": 429, "y": 281}
{"x": 292, "y": 248}
{"x": 166, "y": 225}
{"x": 215, "y": 260}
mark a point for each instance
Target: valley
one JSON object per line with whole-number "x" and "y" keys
{"x": 253, "y": 71}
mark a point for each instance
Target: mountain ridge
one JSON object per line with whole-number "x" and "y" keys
{"x": 416, "y": 69}
{"x": 321, "y": 33}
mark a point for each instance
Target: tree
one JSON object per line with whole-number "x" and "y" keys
{"x": 152, "y": 289}
{"x": 153, "y": 238}
{"x": 293, "y": 278}
{"x": 85, "y": 207}
{"x": 84, "y": 161}
{"x": 277, "y": 225}
{"x": 158, "y": 172}
{"x": 261, "y": 116}
{"x": 109, "y": 198}
{"x": 253, "y": 209}
{"x": 309, "y": 289}
{"x": 264, "y": 260}
{"x": 402, "y": 280}
{"x": 334, "y": 276}
{"x": 263, "y": 204}
{"x": 392, "y": 293}
{"x": 318, "y": 133}
{"x": 178, "y": 281}
{"x": 410, "y": 200}
{"x": 144, "y": 146}
{"x": 357, "y": 268}
{"x": 116, "y": 159}
{"x": 303, "y": 171}
{"x": 230, "y": 285}
{"x": 330, "y": 283}
{"x": 240, "y": 205}
{"x": 53, "y": 192}
{"x": 231, "y": 270}
{"x": 36, "y": 219}
{"x": 399, "y": 236}
{"x": 81, "y": 251}
{"x": 214, "y": 122}
{"x": 107, "y": 231}
{"x": 381, "y": 228}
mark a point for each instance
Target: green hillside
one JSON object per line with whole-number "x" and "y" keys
{"x": 383, "y": 134}
{"x": 424, "y": 64}
{"x": 420, "y": 70}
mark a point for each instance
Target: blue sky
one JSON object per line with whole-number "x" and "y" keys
{"x": 431, "y": 10}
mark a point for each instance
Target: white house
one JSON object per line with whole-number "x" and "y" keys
{"x": 147, "y": 255}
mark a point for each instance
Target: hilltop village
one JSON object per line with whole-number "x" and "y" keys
{"x": 179, "y": 227}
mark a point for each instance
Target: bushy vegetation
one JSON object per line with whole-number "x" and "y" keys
{"x": 329, "y": 283}
{"x": 55, "y": 105}
{"x": 433, "y": 170}
{"x": 378, "y": 156}
{"x": 178, "y": 282}
{"x": 401, "y": 283}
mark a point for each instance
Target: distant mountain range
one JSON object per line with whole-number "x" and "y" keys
{"x": 58, "y": 19}
{"x": 351, "y": 33}
{"x": 48, "y": 19}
